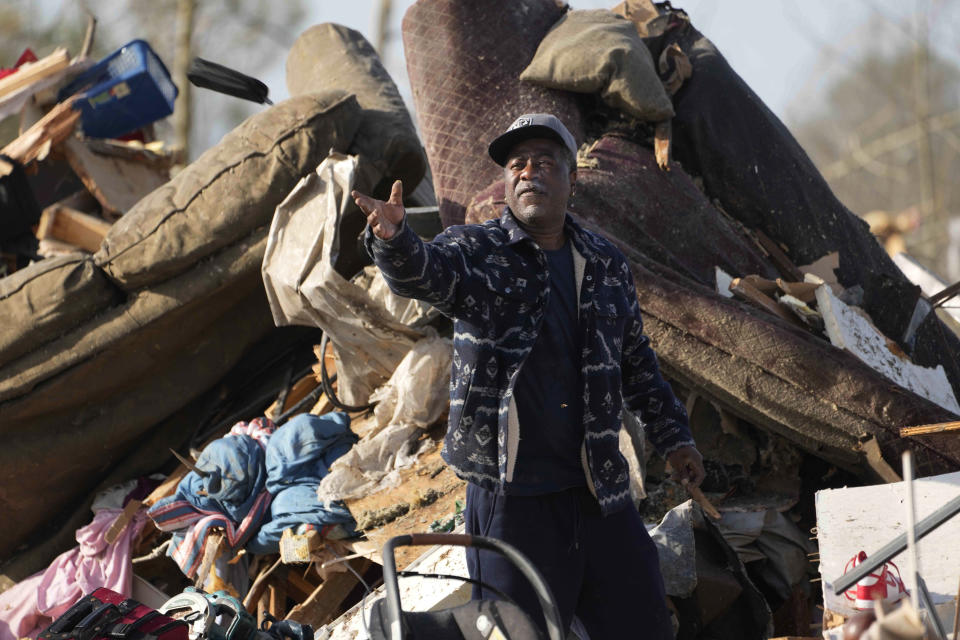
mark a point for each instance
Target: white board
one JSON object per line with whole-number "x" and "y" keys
{"x": 868, "y": 518}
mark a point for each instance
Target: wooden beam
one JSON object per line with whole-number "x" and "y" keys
{"x": 118, "y": 182}
{"x": 325, "y": 602}
{"x": 49, "y": 131}
{"x": 783, "y": 263}
{"x": 32, "y": 72}
{"x": 746, "y": 291}
{"x": 300, "y": 587}
{"x": 277, "y": 599}
{"x": 72, "y": 226}
{"x": 924, "y": 429}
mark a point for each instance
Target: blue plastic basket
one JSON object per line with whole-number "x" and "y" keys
{"x": 126, "y": 90}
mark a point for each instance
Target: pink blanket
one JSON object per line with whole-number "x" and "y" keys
{"x": 30, "y": 606}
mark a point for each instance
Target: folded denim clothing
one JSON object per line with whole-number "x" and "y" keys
{"x": 297, "y": 508}
{"x": 302, "y": 450}
{"x": 298, "y": 456}
{"x": 230, "y": 494}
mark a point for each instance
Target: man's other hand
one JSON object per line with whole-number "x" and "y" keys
{"x": 384, "y": 218}
{"x": 686, "y": 463}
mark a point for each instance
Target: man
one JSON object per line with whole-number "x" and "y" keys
{"x": 548, "y": 348}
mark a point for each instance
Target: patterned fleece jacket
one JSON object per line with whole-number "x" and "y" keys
{"x": 492, "y": 280}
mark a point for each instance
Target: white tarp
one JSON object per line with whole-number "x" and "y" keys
{"x": 415, "y": 397}
{"x": 304, "y": 289}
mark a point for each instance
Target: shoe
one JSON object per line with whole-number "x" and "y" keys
{"x": 874, "y": 586}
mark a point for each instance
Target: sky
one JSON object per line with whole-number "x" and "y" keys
{"x": 786, "y": 50}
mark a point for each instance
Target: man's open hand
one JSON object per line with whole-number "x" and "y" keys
{"x": 686, "y": 463}
{"x": 384, "y": 218}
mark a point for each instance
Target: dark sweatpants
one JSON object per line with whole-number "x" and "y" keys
{"x": 603, "y": 569}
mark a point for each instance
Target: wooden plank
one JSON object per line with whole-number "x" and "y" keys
{"x": 746, "y": 291}
{"x": 764, "y": 286}
{"x": 32, "y": 72}
{"x": 211, "y": 550}
{"x": 277, "y": 595}
{"x": 779, "y": 258}
{"x": 300, "y": 587}
{"x": 122, "y": 521}
{"x": 49, "y": 131}
{"x": 924, "y": 429}
{"x": 325, "y": 602}
{"x": 802, "y": 291}
{"x": 116, "y": 181}
{"x": 255, "y": 598}
{"x": 72, "y": 226}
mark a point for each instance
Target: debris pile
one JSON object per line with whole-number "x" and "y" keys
{"x": 230, "y": 315}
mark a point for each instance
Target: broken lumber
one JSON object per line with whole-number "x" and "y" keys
{"x": 73, "y": 227}
{"x": 745, "y": 290}
{"x": 35, "y": 143}
{"x": 31, "y": 72}
{"x": 122, "y": 521}
{"x": 779, "y": 257}
{"x": 297, "y": 548}
{"x": 924, "y": 429}
{"x": 118, "y": 179}
{"x": 701, "y": 500}
{"x": 326, "y": 600}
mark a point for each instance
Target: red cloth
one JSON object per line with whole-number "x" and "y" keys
{"x": 25, "y": 57}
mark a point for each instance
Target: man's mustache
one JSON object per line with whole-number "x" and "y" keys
{"x": 529, "y": 187}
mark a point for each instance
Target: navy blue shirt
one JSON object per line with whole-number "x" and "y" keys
{"x": 548, "y": 392}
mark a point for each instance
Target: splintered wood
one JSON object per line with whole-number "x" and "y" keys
{"x": 31, "y": 72}
{"x": 73, "y": 227}
{"x": 119, "y": 178}
{"x": 35, "y": 143}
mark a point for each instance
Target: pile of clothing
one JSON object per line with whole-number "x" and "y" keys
{"x": 255, "y": 482}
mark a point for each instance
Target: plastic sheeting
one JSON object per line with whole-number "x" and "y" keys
{"x": 414, "y": 398}
{"x": 304, "y": 288}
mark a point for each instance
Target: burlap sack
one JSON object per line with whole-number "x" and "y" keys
{"x": 48, "y": 298}
{"x": 331, "y": 56}
{"x": 228, "y": 191}
{"x": 80, "y": 404}
{"x": 598, "y": 51}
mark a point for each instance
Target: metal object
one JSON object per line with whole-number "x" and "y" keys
{"x": 201, "y": 611}
{"x": 193, "y": 608}
{"x": 394, "y": 610}
{"x": 927, "y": 602}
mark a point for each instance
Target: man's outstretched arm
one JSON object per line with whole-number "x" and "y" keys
{"x": 412, "y": 268}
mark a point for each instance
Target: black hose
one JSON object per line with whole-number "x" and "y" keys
{"x": 326, "y": 382}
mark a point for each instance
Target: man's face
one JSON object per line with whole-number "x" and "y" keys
{"x": 538, "y": 181}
